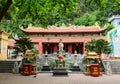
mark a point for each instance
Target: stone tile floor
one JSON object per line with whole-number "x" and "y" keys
{"x": 47, "y": 78}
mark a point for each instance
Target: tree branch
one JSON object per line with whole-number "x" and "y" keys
{"x": 5, "y": 8}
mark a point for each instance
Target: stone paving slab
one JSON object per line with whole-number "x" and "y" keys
{"x": 47, "y": 78}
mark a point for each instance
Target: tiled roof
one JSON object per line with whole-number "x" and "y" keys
{"x": 11, "y": 42}
{"x": 63, "y": 29}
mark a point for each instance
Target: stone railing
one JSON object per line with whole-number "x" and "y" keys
{"x": 114, "y": 65}
{"x": 69, "y": 59}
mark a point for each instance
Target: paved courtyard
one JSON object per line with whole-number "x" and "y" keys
{"x": 47, "y": 78}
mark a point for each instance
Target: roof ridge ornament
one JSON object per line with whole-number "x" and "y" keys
{"x": 105, "y": 26}
{"x": 96, "y": 24}
{"x": 30, "y": 25}
{"x": 15, "y": 36}
{"x": 21, "y": 27}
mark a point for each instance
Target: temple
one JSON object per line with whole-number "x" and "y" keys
{"x": 73, "y": 37}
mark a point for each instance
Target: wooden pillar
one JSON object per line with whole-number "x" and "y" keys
{"x": 70, "y": 48}
{"x": 55, "y": 48}
{"x": 51, "y": 46}
{"x": 84, "y": 48}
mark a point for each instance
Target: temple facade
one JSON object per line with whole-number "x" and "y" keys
{"x": 74, "y": 38}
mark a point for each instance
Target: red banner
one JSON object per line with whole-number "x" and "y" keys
{"x": 95, "y": 70}
{"x": 27, "y": 70}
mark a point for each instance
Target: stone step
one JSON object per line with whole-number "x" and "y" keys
{"x": 6, "y": 66}
{"x": 114, "y": 65}
{"x": 46, "y": 68}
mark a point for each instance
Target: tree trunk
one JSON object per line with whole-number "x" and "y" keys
{"x": 5, "y": 8}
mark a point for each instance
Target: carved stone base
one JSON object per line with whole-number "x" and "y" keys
{"x": 60, "y": 72}
{"x": 75, "y": 68}
{"x": 46, "y": 68}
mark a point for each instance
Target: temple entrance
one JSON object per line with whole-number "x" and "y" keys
{"x": 78, "y": 47}
{"x": 48, "y": 47}
{"x": 65, "y": 47}
{"x": 68, "y": 47}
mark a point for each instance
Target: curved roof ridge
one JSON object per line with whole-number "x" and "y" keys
{"x": 63, "y": 29}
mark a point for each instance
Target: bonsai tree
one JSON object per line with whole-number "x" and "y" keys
{"x": 99, "y": 46}
{"x": 102, "y": 46}
{"x": 23, "y": 44}
{"x": 91, "y": 45}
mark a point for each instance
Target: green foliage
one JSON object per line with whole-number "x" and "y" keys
{"x": 38, "y": 67}
{"x": 56, "y": 12}
{"x": 22, "y": 45}
{"x": 29, "y": 60}
{"x": 52, "y": 64}
{"x": 86, "y": 19}
{"x": 109, "y": 27}
{"x": 90, "y": 46}
{"x": 98, "y": 46}
{"x": 102, "y": 46}
{"x": 84, "y": 60}
{"x": 71, "y": 64}
{"x": 34, "y": 50}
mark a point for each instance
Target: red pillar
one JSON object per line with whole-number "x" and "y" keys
{"x": 55, "y": 48}
{"x": 83, "y": 48}
{"x": 51, "y": 48}
{"x": 70, "y": 48}
{"x": 40, "y": 47}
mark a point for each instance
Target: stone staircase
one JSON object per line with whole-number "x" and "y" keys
{"x": 114, "y": 65}
{"x": 7, "y": 66}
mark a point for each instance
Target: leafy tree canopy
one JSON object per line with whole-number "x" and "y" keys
{"x": 56, "y": 12}
{"x": 22, "y": 45}
{"x": 99, "y": 46}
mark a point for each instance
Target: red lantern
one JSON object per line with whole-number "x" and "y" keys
{"x": 48, "y": 44}
{"x": 76, "y": 44}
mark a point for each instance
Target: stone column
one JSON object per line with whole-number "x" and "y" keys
{"x": 46, "y": 58}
